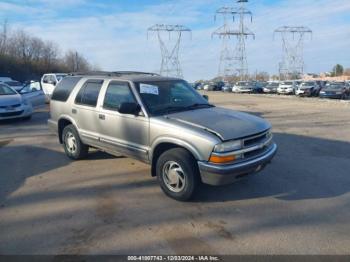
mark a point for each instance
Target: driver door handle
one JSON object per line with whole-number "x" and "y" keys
{"x": 101, "y": 116}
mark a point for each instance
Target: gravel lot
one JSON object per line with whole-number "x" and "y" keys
{"x": 300, "y": 204}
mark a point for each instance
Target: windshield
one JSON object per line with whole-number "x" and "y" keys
{"x": 287, "y": 83}
{"x": 164, "y": 97}
{"x": 5, "y": 90}
{"x": 272, "y": 84}
{"x": 59, "y": 77}
{"x": 308, "y": 83}
{"x": 336, "y": 86}
{"x": 243, "y": 83}
{"x": 14, "y": 83}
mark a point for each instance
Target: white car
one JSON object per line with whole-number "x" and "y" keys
{"x": 246, "y": 87}
{"x": 49, "y": 82}
{"x": 308, "y": 88}
{"x": 287, "y": 87}
{"x": 20, "y": 105}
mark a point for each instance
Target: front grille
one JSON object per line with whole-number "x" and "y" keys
{"x": 8, "y": 114}
{"x": 253, "y": 140}
{"x": 256, "y": 152}
{"x": 259, "y": 145}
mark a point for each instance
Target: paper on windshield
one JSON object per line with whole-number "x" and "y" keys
{"x": 149, "y": 89}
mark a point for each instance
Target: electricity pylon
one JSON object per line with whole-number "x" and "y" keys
{"x": 170, "y": 65}
{"x": 233, "y": 61}
{"x": 227, "y": 67}
{"x": 292, "y": 64}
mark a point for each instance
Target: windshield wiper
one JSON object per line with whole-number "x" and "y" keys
{"x": 199, "y": 105}
{"x": 171, "y": 109}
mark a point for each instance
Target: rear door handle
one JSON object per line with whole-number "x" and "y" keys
{"x": 101, "y": 116}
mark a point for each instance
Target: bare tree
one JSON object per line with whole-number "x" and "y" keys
{"x": 76, "y": 62}
{"x": 3, "y": 38}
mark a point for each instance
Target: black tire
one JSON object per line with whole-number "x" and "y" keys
{"x": 189, "y": 166}
{"x": 27, "y": 118}
{"x": 80, "y": 151}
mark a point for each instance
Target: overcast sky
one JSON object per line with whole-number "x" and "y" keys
{"x": 112, "y": 33}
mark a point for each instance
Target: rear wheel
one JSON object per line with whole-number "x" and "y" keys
{"x": 177, "y": 174}
{"x": 73, "y": 146}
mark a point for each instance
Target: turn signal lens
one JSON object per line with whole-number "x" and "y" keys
{"x": 221, "y": 159}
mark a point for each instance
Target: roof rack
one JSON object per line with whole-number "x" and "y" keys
{"x": 115, "y": 73}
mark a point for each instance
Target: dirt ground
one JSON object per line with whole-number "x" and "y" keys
{"x": 300, "y": 204}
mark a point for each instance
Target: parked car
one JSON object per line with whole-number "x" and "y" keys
{"x": 227, "y": 87}
{"x": 12, "y": 83}
{"x": 287, "y": 87}
{"x": 5, "y": 78}
{"x": 20, "y": 105}
{"x": 338, "y": 90}
{"x": 246, "y": 87}
{"x": 161, "y": 121}
{"x": 308, "y": 88}
{"x": 271, "y": 87}
{"x": 49, "y": 82}
{"x": 215, "y": 86}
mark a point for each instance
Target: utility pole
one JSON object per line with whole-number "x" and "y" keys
{"x": 170, "y": 64}
{"x": 233, "y": 61}
{"x": 292, "y": 64}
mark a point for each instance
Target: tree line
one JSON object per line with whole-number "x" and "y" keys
{"x": 26, "y": 57}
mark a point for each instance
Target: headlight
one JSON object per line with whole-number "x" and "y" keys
{"x": 25, "y": 102}
{"x": 322, "y": 92}
{"x": 228, "y": 146}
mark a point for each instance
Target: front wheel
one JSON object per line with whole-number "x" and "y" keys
{"x": 73, "y": 146}
{"x": 177, "y": 174}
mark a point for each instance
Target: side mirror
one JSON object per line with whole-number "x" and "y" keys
{"x": 206, "y": 97}
{"x": 129, "y": 108}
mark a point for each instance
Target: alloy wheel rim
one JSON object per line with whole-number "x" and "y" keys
{"x": 174, "y": 176}
{"x": 71, "y": 143}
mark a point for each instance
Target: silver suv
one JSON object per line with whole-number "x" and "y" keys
{"x": 161, "y": 121}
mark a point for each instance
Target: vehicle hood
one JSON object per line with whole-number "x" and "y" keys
{"x": 285, "y": 86}
{"x": 306, "y": 87}
{"x": 226, "y": 124}
{"x": 245, "y": 87}
{"x": 333, "y": 89}
{"x": 9, "y": 100}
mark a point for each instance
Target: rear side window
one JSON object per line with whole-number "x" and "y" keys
{"x": 116, "y": 94}
{"x": 64, "y": 88}
{"x": 89, "y": 92}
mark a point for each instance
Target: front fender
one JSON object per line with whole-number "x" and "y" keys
{"x": 175, "y": 141}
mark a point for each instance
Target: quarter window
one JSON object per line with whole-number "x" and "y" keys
{"x": 116, "y": 94}
{"x": 64, "y": 88}
{"x": 88, "y": 94}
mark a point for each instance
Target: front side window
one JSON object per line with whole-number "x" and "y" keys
{"x": 116, "y": 94}
{"x": 89, "y": 92}
{"x": 163, "y": 97}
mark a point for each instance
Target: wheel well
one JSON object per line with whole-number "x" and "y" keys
{"x": 62, "y": 123}
{"x": 160, "y": 149}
